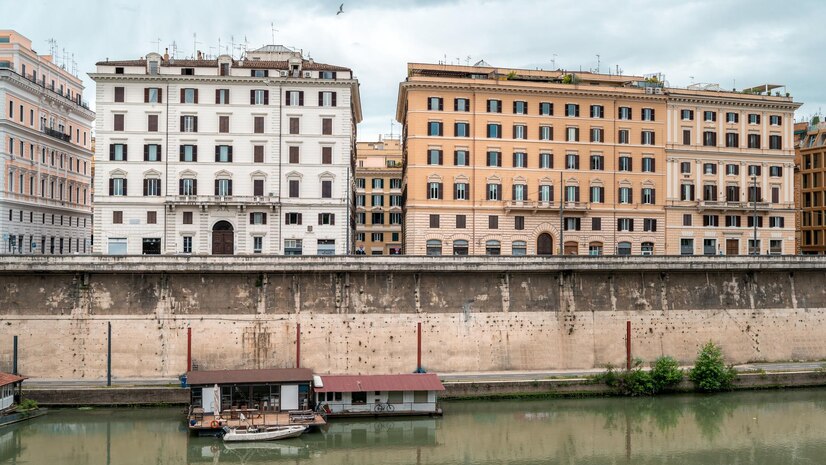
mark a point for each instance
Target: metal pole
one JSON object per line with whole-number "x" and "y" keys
{"x": 188, "y": 349}
{"x": 14, "y": 359}
{"x": 109, "y": 356}
{"x": 628, "y": 345}
{"x": 562, "y": 213}
{"x": 419, "y": 348}
{"x": 298, "y": 345}
{"x": 756, "y": 250}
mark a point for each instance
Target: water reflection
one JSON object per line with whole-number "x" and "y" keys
{"x": 745, "y": 428}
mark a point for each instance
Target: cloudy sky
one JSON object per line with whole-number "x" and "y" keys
{"x": 736, "y": 43}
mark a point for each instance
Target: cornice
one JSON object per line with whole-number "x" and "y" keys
{"x": 269, "y": 81}
{"x": 567, "y": 90}
{"x": 731, "y": 100}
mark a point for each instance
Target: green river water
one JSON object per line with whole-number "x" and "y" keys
{"x": 766, "y": 427}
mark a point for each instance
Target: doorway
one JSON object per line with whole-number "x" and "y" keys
{"x": 732, "y": 247}
{"x": 223, "y": 238}
{"x": 544, "y": 244}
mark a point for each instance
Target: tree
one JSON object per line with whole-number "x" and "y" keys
{"x": 710, "y": 373}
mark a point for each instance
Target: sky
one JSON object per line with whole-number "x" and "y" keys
{"x": 734, "y": 43}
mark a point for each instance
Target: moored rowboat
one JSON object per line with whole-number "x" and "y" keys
{"x": 270, "y": 433}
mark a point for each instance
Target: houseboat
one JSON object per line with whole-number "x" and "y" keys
{"x": 250, "y": 398}
{"x": 10, "y": 396}
{"x": 378, "y": 395}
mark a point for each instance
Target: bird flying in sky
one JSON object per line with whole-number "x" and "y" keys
{"x": 340, "y": 9}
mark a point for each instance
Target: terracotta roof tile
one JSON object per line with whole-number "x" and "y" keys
{"x": 358, "y": 383}
{"x": 254, "y": 64}
{"x": 8, "y": 378}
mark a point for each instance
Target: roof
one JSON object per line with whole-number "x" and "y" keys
{"x": 274, "y": 49}
{"x": 272, "y": 375}
{"x": 307, "y": 65}
{"x": 8, "y": 378}
{"x": 357, "y": 383}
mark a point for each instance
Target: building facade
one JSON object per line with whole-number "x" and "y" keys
{"x": 378, "y": 197}
{"x": 730, "y": 168}
{"x": 45, "y": 130}
{"x": 811, "y": 191}
{"x": 515, "y": 162}
{"x": 225, "y": 156}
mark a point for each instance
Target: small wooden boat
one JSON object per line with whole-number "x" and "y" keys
{"x": 270, "y": 433}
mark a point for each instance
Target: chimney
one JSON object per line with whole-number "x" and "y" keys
{"x": 199, "y": 54}
{"x": 166, "y": 54}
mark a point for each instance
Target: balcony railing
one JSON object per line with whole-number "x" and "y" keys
{"x": 220, "y": 199}
{"x": 737, "y": 205}
{"x": 33, "y": 80}
{"x": 57, "y": 134}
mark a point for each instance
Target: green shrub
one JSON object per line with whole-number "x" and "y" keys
{"x": 710, "y": 373}
{"x": 27, "y": 404}
{"x": 666, "y": 374}
{"x": 634, "y": 382}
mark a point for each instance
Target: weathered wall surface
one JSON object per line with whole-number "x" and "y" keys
{"x": 360, "y": 315}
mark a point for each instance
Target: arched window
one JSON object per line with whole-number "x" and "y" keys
{"x": 595, "y": 248}
{"x": 492, "y": 248}
{"x": 624, "y": 248}
{"x": 434, "y": 247}
{"x": 460, "y": 247}
{"x": 519, "y": 248}
{"x": 647, "y": 248}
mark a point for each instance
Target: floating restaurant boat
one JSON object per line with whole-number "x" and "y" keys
{"x": 270, "y": 433}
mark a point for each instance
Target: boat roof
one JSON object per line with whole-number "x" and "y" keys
{"x": 358, "y": 383}
{"x": 8, "y": 378}
{"x": 269, "y": 375}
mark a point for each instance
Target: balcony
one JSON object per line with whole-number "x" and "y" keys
{"x": 57, "y": 135}
{"x": 736, "y": 205}
{"x": 527, "y": 205}
{"x": 32, "y": 80}
{"x": 207, "y": 200}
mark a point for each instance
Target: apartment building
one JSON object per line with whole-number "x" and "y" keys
{"x": 225, "y": 156}
{"x": 378, "y": 197}
{"x": 45, "y": 130}
{"x": 515, "y": 162}
{"x": 811, "y": 190}
{"x": 730, "y": 168}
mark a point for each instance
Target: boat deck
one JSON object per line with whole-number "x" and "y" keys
{"x": 204, "y": 422}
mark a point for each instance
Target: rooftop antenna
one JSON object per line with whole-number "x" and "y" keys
{"x": 553, "y": 61}
{"x": 174, "y": 49}
{"x": 467, "y": 60}
{"x": 195, "y": 45}
{"x": 63, "y": 59}
{"x": 273, "y": 30}
{"x": 52, "y": 48}
{"x": 74, "y": 64}
{"x": 219, "y": 46}
{"x": 692, "y": 79}
{"x": 157, "y": 43}
{"x": 598, "y": 62}
{"x": 211, "y": 48}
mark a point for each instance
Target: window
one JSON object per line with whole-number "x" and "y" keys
{"x": 546, "y": 133}
{"x": 435, "y": 103}
{"x": 687, "y": 115}
{"x": 546, "y": 193}
{"x": 597, "y": 111}
{"x": 187, "y": 217}
{"x": 686, "y": 136}
{"x": 520, "y": 107}
{"x": 623, "y": 136}
{"x": 494, "y": 106}
{"x": 223, "y": 153}
{"x": 572, "y": 134}
{"x": 775, "y": 142}
{"x": 494, "y": 131}
{"x": 711, "y": 221}
{"x": 295, "y": 247}
{"x": 754, "y": 118}
{"x": 732, "y": 193}
{"x": 595, "y": 248}
{"x": 624, "y": 194}
{"x": 494, "y": 158}
{"x": 648, "y": 114}
{"x": 755, "y": 170}
{"x": 519, "y": 223}
{"x": 434, "y": 221}
{"x": 187, "y": 244}
{"x": 709, "y": 138}
{"x": 597, "y": 194}
{"x": 754, "y": 247}
{"x": 754, "y": 141}
{"x": 292, "y": 218}
{"x": 776, "y": 171}
{"x": 733, "y": 221}
{"x": 647, "y": 248}
{"x": 117, "y": 186}
{"x": 189, "y": 153}
{"x": 648, "y": 196}
{"x": 395, "y": 183}
{"x": 732, "y": 139}
{"x": 520, "y": 131}
{"x": 775, "y": 120}
{"x": 546, "y": 109}
{"x": 377, "y": 200}
{"x": 624, "y": 163}
{"x": 460, "y": 191}
{"x": 494, "y": 192}
{"x": 434, "y": 157}
{"x": 750, "y": 221}
{"x": 461, "y": 129}
{"x": 710, "y": 193}
{"x": 571, "y": 223}
{"x": 546, "y": 160}
{"x": 461, "y": 221}
{"x": 295, "y": 98}
{"x": 223, "y": 124}
{"x": 624, "y": 248}
{"x": 258, "y": 187}
{"x": 189, "y": 123}
{"x": 572, "y": 161}
{"x": 709, "y": 116}
{"x": 258, "y": 154}
{"x": 596, "y": 135}
{"x": 709, "y": 168}
{"x": 571, "y": 110}
{"x": 572, "y": 193}
{"x": 647, "y": 138}
{"x": 460, "y": 158}
{"x": 189, "y": 95}
{"x": 295, "y": 125}
{"x": 325, "y": 219}
{"x": 686, "y": 246}
{"x": 492, "y": 247}
{"x": 520, "y": 192}
{"x": 433, "y": 247}
{"x": 597, "y": 162}
{"x": 434, "y": 190}
{"x": 520, "y": 160}
{"x": 624, "y": 113}
{"x": 222, "y": 96}
{"x": 117, "y": 217}
{"x": 117, "y": 152}
{"x": 775, "y": 247}
{"x": 151, "y": 123}
{"x": 188, "y": 186}
{"x": 223, "y": 187}
{"x": 151, "y": 187}
{"x": 776, "y": 222}
{"x": 461, "y": 104}
{"x": 119, "y": 95}
{"x": 378, "y": 183}
{"x": 326, "y": 99}
{"x": 327, "y": 126}
{"x": 647, "y": 165}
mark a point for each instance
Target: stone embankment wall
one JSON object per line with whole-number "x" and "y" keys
{"x": 361, "y": 314}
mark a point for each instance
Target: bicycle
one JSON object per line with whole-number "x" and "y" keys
{"x": 383, "y": 407}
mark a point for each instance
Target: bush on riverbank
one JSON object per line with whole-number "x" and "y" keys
{"x": 663, "y": 376}
{"x": 710, "y": 373}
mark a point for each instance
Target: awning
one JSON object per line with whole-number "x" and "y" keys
{"x": 358, "y": 383}
{"x": 8, "y": 378}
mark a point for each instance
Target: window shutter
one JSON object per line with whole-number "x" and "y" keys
{"x": 252, "y": 97}
{"x": 230, "y": 154}
{"x": 576, "y": 162}
{"x": 216, "y": 187}
{"x": 145, "y": 187}
{"x": 320, "y": 103}
{"x": 145, "y": 95}
{"x": 576, "y": 112}
{"x": 252, "y": 216}
{"x": 217, "y": 95}
{"x": 229, "y": 191}
{"x": 217, "y": 153}
{"x": 183, "y": 95}
{"x": 441, "y": 191}
{"x": 334, "y": 99}
{"x": 441, "y": 159}
{"x": 513, "y": 188}
{"x": 160, "y": 95}
{"x": 653, "y": 196}
{"x": 319, "y": 219}
{"x": 287, "y": 98}
{"x": 111, "y": 152}
{"x": 301, "y": 98}
{"x": 180, "y": 187}
{"x": 299, "y": 218}
{"x": 195, "y": 124}
{"x": 124, "y": 186}
{"x": 181, "y": 128}
{"x": 194, "y": 153}
{"x": 181, "y": 152}
{"x": 194, "y": 187}
{"x": 196, "y": 95}
{"x": 576, "y": 194}
{"x": 266, "y": 97}
{"x": 332, "y": 219}
{"x": 145, "y": 152}
{"x": 499, "y": 159}
{"x": 111, "y": 186}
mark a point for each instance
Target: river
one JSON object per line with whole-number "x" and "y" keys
{"x": 766, "y": 427}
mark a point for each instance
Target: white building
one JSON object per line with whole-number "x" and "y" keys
{"x": 224, "y": 156}
{"x": 45, "y": 152}
{"x": 357, "y": 395}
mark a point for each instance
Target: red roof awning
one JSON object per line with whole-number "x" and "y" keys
{"x": 8, "y": 378}
{"x": 357, "y": 383}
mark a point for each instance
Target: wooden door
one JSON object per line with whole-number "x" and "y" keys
{"x": 544, "y": 244}
{"x": 222, "y": 242}
{"x": 732, "y": 247}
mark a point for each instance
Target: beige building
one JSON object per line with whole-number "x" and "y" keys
{"x": 515, "y": 162}
{"x": 730, "y": 168}
{"x": 378, "y": 197}
{"x": 811, "y": 190}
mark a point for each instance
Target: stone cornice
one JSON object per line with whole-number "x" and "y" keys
{"x": 266, "y": 81}
{"x": 561, "y": 89}
{"x": 732, "y": 100}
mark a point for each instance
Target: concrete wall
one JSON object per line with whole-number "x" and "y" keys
{"x": 477, "y": 314}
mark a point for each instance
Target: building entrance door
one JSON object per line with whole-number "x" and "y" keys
{"x": 544, "y": 244}
{"x": 732, "y": 247}
{"x": 223, "y": 238}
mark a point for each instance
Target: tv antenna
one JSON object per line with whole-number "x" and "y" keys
{"x": 157, "y": 43}
{"x": 553, "y": 61}
{"x": 273, "y": 30}
{"x": 174, "y": 49}
{"x": 195, "y": 45}
{"x": 598, "y": 63}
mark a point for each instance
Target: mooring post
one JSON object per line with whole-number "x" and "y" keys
{"x": 419, "y": 348}
{"x": 109, "y": 356}
{"x": 298, "y": 345}
{"x": 188, "y": 349}
{"x": 14, "y": 358}
{"x": 628, "y": 345}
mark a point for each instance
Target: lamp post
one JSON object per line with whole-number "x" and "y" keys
{"x": 755, "y": 249}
